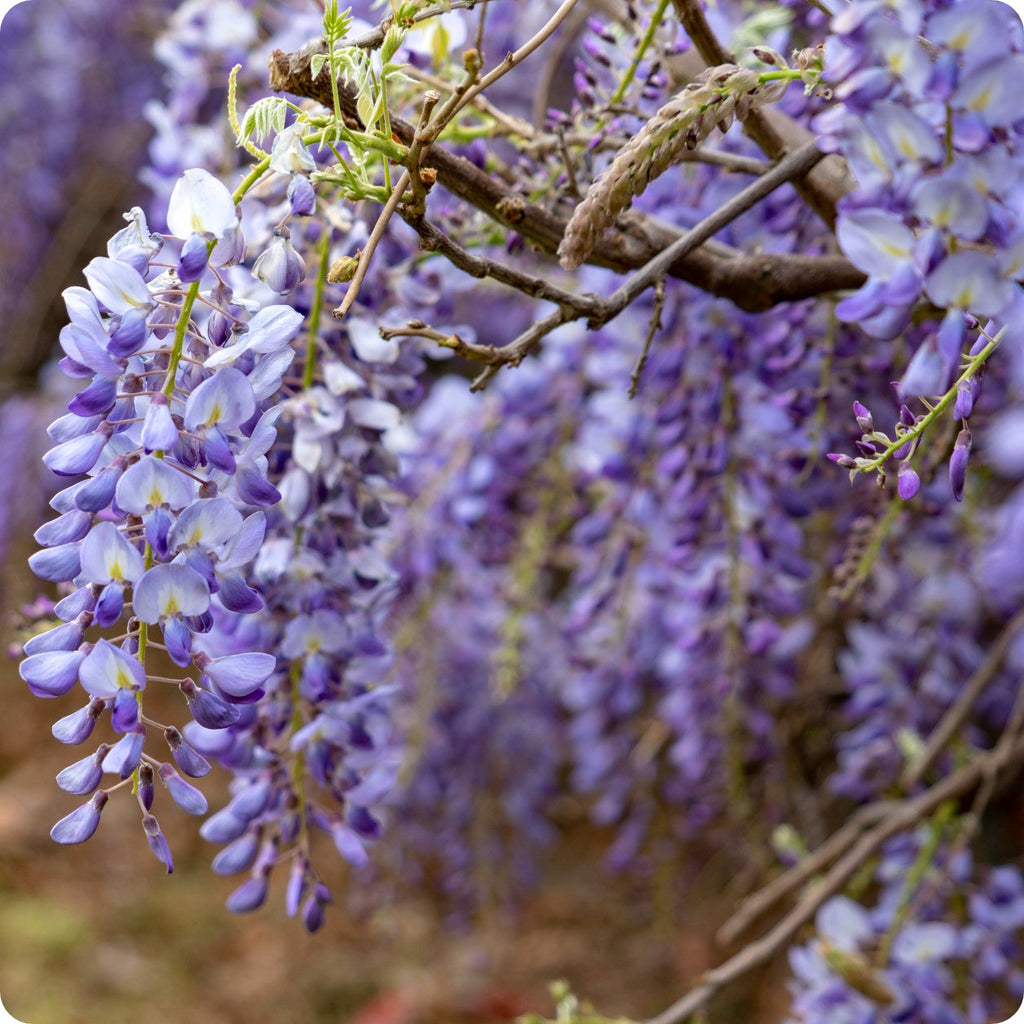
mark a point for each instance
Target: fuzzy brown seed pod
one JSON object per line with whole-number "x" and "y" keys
{"x": 720, "y": 95}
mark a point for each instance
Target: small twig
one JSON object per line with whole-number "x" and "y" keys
{"x": 652, "y": 329}
{"x": 572, "y": 186}
{"x": 516, "y": 351}
{"x": 433, "y": 239}
{"x": 371, "y": 244}
{"x": 514, "y": 59}
{"x": 815, "y": 862}
{"x": 419, "y": 186}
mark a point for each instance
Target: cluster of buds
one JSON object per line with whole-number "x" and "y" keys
{"x": 877, "y": 447}
{"x": 717, "y": 98}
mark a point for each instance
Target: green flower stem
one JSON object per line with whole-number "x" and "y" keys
{"x": 180, "y": 330}
{"x": 641, "y": 49}
{"x": 316, "y": 308}
{"x": 973, "y": 366}
{"x": 255, "y": 174}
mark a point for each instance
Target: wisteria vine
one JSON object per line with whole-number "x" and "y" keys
{"x": 625, "y": 583}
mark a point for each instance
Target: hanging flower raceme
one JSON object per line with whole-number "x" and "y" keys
{"x": 152, "y": 542}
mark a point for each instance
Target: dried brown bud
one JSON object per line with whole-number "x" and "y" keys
{"x": 342, "y": 270}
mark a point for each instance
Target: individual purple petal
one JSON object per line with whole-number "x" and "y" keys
{"x": 151, "y": 483}
{"x": 188, "y": 759}
{"x": 207, "y": 708}
{"x": 252, "y": 801}
{"x": 77, "y": 456}
{"x": 125, "y": 712}
{"x": 66, "y": 637}
{"x": 110, "y": 605}
{"x": 250, "y": 895}
{"x": 236, "y": 595}
{"x": 106, "y": 556}
{"x": 120, "y": 287}
{"x": 96, "y": 494}
{"x": 66, "y": 427}
{"x": 158, "y": 842}
{"x": 65, "y": 529}
{"x": 222, "y": 827}
{"x": 926, "y": 373}
{"x": 158, "y": 430}
{"x": 349, "y": 845}
{"x": 169, "y": 591}
{"x": 237, "y": 856}
{"x": 80, "y": 824}
{"x": 130, "y": 336}
{"x": 83, "y": 776}
{"x": 52, "y": 673}
{"x": 123, "y": 757}
{"x": 224, "y": 400}
{"x": 255, "y": 489}
{"x": 296, "y": 887}
{"x": 212, "y": 742}
{"x": 218, "y": 451}
{"x": 107, "y": 669}
{"x": 239, "y": 674}
{"x": 195, "y": 254}
{"x": 178, "y": 640}
{"x": 157, "y": 529}
{"x": 85, "y": 348}
{"x": 57, "y": 564}
{"x": 247, "y": 543}
{"x": 270, "y": 370}
{"x": 301, "y": 196}
{"x": 96, "y": 399}
{"x": 184, "y": 794}
{"x": 77, "y": 727}
{"x": 70, "y": 607}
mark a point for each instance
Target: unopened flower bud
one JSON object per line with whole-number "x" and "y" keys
{"x": 908, "y": 483}
{"x": 958, "y": 463}
{"x": 279, "y": 266}
{"x": 864, "y": 418}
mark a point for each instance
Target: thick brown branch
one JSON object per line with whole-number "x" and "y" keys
{"x": 753, "y": 282}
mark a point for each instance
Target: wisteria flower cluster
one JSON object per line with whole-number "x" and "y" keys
{"x": 625, "y": 585}
{"x": 168, "y": 431}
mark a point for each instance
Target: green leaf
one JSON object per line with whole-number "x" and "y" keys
{"x": 264, "y": 117}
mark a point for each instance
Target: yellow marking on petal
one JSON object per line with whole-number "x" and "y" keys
{"x": 980, "y": 102}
